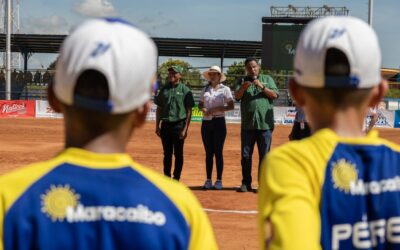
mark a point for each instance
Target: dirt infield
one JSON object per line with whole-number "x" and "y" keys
{"x": 23, "y": 141}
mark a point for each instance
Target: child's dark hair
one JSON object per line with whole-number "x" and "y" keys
{"x": 337, "y": 65}
{"x": 93, "y": 85}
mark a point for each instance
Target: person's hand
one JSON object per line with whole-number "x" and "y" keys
{"x": 258, "y": 83}
{"x": 205, "y": 111}
{"x": 158, "y": 131}
{"x": 183, "y": 134}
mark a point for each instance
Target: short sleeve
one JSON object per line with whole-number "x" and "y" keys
{"x": 157, "y": 97}
{"x": 228, "y": 95}
{"x": 270, "y": 83}
{"x": 288, "y": 215}
{"x": 189, "y": 100}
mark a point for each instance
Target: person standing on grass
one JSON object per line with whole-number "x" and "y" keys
{"x": 92, "y": 195}
{"x": 215, "y": 100}
{"x": 174, "y": 110}
{"x": 256, "y": 93}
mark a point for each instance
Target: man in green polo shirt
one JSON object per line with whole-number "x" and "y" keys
{"x": 174, "y": 110}
{"x": 256, "y": 93}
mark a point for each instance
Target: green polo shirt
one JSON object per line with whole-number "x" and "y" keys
{"x": 174, "y": 101}
{"x": 257, "y": 111}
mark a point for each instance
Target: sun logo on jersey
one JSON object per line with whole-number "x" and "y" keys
{"x": 343, "y": 174}
{"x": 57, "y": 199}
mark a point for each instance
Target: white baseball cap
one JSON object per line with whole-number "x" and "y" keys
{"x": 125, "y": 55}
{"x": 351, "y": 36}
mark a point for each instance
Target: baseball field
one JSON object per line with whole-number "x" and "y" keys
{"x": 232, "y": 214}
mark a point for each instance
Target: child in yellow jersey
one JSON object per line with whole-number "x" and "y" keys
{"x": 339, "y": 188}
{"x": 92, "y": 195}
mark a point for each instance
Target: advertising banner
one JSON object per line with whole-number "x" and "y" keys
{"x": 397, "y": 119}
{"x": 43, "y": 110}
{"x": 17, "y": 108}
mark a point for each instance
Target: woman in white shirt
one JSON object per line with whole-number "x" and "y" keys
{"x": 215, "y": 100}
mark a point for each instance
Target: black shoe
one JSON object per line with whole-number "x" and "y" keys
{"x": 243, "y": 188}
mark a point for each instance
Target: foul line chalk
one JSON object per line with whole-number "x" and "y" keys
{"x": 230, "y": 211}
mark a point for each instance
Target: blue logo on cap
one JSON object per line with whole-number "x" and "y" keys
{"x": 118, "y": 20}
{"x": 335, "y": 33}
{"x": 100, "y": 49}
{"x": 354, "y": 81}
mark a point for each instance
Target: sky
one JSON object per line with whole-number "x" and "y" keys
{"x": 205, "y": 19}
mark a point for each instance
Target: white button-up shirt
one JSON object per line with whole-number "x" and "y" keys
{"x": 212, "y": 98}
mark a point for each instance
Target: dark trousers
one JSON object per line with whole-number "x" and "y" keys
{"x": 248, "y": 139}
{"x": 170, "y": 132}
{"x": 300, "y": 131}
{"x": 213, "y": 133}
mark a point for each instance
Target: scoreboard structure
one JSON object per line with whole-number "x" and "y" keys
{"x": 281, "y": 31}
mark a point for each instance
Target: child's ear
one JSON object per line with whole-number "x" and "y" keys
{"x": 296, "y": 92}
{"x": 139, "y": 115}
{"x": 52, "y": 99}
{"x": 379, "y": 92}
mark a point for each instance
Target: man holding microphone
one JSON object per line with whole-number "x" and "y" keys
{"x": 256, "y": 93}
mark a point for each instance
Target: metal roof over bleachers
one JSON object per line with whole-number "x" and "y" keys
{"x": 179, "y": 47}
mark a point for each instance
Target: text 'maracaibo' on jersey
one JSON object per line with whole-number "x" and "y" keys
{"x": 327, "y": 192}
{"x": 84, "y": 200}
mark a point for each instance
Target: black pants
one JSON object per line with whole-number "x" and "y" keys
{"x": 300, "y": 131}
{"x": 249, "y": 138}
{"x": 170, "y": 132}
{"x": 213, "y": 133}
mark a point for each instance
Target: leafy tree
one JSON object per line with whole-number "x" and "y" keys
{"x": 190, "y": 75}
{"x": 281, "y": 77}
{"x": 393, "y": 93}
{"x": 52, "y": 66}
{"x": 235, "y": 70}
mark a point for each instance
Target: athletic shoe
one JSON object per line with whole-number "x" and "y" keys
{"x": 207, "y": 184}
{"x": 218, "y": 185}
{"x": 243, "y": 188}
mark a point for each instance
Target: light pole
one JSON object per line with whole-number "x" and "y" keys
{"x": 8, "y": 52}
{"x": 370, "y": 11}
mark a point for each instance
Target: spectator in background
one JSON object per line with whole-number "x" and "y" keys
{"x": 2, "y": 85}
{"x": 20, "y": 78}
{"x": 256, "y": 93}
{"x": 37, "y": 78}
{"x": 18, "y": 86}
{"x": 370, "y": 119}
{"x": 215, "y": 100}
{"x": 174, "y": 108}
{"x": 46, "y": 77}
{"x": 14, "y": 76}
{"x": 2, "y": 77}
{"x": 300, "y": 128}
{"x": 28, "y": 77}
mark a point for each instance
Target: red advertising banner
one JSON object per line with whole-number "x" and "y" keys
{"x": 17, "y": 108}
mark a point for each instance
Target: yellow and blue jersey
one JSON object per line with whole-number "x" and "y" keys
{"x": 328, "y": 192}
{"x": 85, "y": 200}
